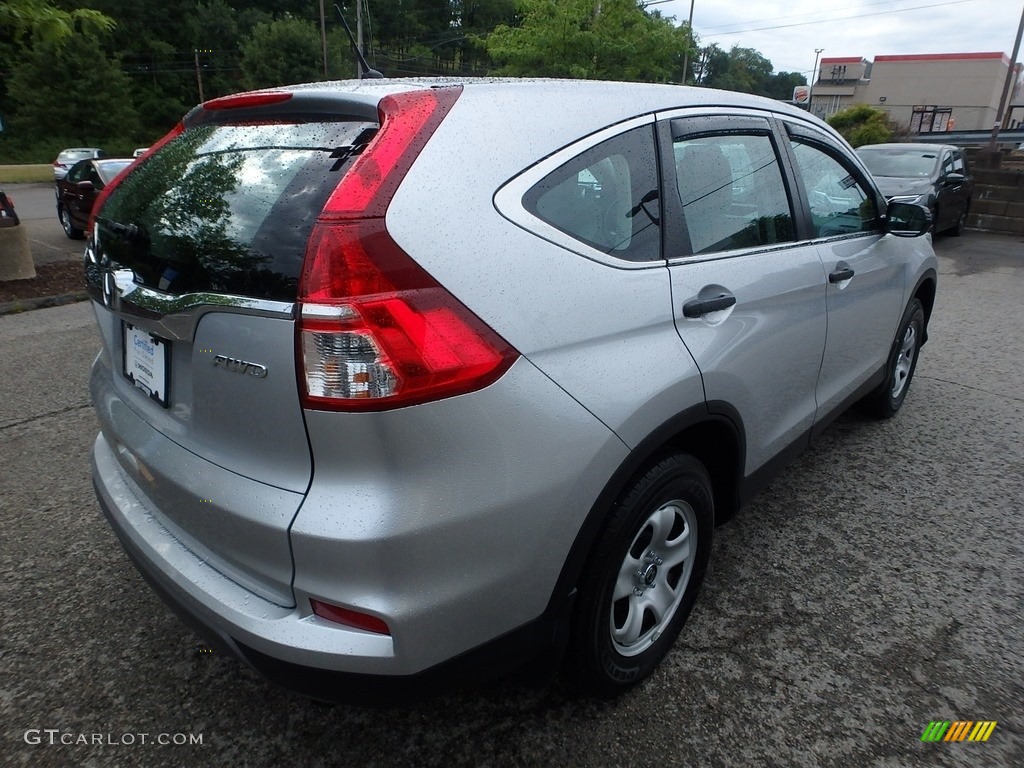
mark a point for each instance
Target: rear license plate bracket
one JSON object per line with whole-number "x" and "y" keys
{"x": 147, "y": 362}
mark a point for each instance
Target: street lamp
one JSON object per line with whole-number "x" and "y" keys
{"x": 814, "y": 77}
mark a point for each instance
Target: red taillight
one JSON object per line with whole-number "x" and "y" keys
{"x": 349, "y": 617}
{"x": 101, "y": 198}
{"x": 243, "y": 100}
{"x": 376, "y": 331}
{"x": 407, "y": 121}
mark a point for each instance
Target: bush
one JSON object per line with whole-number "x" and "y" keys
{"x": 862, "y": 124}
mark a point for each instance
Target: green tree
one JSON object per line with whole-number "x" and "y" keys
{"x": 215, "y": 39}
{"x": 781, "y": 85}
{"x": 712, "y": 64}
{"x": 746, "y": 71}
{"x": 606, "y": 39}
{"x": 862, "y": 124}
{"x": 43, "y": 23}
{"x": 282, "y": 52}
{"x": 94, "y": 111}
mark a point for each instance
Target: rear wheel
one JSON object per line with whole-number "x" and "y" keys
{"x": 65, "y": 221}
{"x": 902, "y": 363}
{"x": 642, "y": 576}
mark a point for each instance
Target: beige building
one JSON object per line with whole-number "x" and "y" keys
{"x": 927, "y": 92}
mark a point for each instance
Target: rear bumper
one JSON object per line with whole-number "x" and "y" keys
{"x": 225, "y": 613}
{"x": 487, "y": 662}
{"x": 451, "y": 521}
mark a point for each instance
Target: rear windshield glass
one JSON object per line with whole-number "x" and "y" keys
{"x": 228, "y": 208}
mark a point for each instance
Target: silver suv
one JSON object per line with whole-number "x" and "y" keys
{"x": 406, "y": 381}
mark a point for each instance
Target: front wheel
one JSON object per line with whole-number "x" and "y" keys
{"x": 958, "y": 228}
{"x": 900, "y": 367}
{"x": 642, "y": 577}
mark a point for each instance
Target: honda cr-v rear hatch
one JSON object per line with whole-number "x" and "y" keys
{"x": 193, "y": 262}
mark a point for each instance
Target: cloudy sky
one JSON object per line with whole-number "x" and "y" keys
{"x": 787, "y": 32}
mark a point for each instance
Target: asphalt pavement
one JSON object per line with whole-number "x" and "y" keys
{"x": 37, "y": 209}
{"x": 876, "y": 586}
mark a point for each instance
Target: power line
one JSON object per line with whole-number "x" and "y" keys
{"x": 856, "y": 8}
{"x": 842, "y": 18}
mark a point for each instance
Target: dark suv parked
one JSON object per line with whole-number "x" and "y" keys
{"x": 935, "y": 175}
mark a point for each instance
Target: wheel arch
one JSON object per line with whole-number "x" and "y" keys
{"x": 712, "y": 433}
{"x": 924, "y": 291}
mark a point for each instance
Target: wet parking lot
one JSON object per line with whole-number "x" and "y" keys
{"x": 876, "y": 586}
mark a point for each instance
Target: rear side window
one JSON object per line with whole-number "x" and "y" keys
{"x": 607, "y": 197}
{"x": 229, "y": 208}
{"x": 731, "y": 191}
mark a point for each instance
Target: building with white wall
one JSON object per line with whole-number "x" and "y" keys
{"x": 926, "y": 92}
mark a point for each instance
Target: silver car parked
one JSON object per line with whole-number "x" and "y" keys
{"x": 406, "y": 381}
{"x": 68, "y": 157}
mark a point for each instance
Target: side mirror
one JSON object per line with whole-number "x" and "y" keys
{"x": 955, "y": 178}
{"x": 907, "y": 219}
{"x": 85, "y": 186}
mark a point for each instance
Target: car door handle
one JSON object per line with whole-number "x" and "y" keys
{"x": 839, "y": 275}
{"x": 698, "y": 307}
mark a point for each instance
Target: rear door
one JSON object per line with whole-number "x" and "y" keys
{"x": 748, "y": 297}
{"x": 194, "y": 263}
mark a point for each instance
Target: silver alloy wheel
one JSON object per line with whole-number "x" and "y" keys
{"x": 65, "y": 221}
{"x": 905, "y": 361}
{"x": 653, "y": 577}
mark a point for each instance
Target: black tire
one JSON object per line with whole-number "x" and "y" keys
{"x": 886, "y": 401}
{"x": 73, "y": 232}
{"x": 958, "y": 229}
{"x": 665, "y": 515}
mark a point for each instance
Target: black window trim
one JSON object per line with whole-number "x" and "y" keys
{"x": 794, "y": 131}
{"x": 670, "y": 128}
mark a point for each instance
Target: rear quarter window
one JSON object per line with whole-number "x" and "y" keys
{"x": 607, "y": 197}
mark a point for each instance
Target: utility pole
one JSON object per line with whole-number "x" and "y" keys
{"x": 814, "y": 79}
{"x": 686, "y": 53}
{"x": 359, "y": 32}
{"x": 323, "y": 35}
{"x": 992, "y": 149}
{"x": 199, "y": 75}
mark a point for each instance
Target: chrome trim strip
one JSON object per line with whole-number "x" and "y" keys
{"x": 327, "y": 312}
{"x": 176, "y": 317}
{"x": 167, "y": 315}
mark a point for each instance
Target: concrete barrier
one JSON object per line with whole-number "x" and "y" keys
{"x": 998, "y": 202}
{"x": 15, "y": 255}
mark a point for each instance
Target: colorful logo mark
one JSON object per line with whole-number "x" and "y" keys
{"x": 958, "y": 730}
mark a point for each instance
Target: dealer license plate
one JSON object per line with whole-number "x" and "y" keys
{"x": 146, "y": 361}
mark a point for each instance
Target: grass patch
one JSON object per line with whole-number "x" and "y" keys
{"x": 18, "y": 174}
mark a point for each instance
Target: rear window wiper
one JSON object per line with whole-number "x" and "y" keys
{"x": 133, "y": 233}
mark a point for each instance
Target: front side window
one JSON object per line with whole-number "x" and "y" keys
{"x": 607, "y": 197}
{"x": 731, "y": 191}
{"x": 839, "y": 204}
{"x": 958, "y": 162}
{"x": 78, "y": 173}
{"x": 947, "y": 164}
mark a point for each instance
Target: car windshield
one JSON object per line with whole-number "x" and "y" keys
{"x": 74, "y": 155}
{"x": 901, "y": 163}
{"x": 108, "y": 169}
